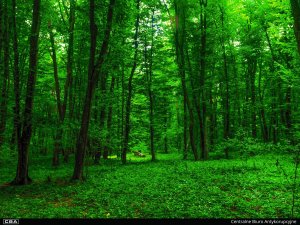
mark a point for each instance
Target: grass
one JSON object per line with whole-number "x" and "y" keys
{"x": 168, "y": 188}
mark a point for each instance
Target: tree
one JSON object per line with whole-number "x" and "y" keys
{"x": 129, "y": 95}
{"x": 94, "y": 73}
{"x": 4, "y": 91}
{"x": 295, "y": 5}
{"x": 179, "y": 44}
{"x": 26, "y": 133}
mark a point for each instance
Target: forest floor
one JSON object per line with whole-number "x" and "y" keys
{"x": 169, "y": 188}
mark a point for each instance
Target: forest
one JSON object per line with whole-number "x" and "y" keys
{"x": 149, "y": 109}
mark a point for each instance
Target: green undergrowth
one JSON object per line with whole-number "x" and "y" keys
{"x": 259, "y": 187}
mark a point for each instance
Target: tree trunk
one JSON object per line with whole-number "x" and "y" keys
{"x": 252, "y": 64}
{"x": 93, "y": 75}
{"x": 150, "y": 92}
{"x": 180, "y": 57}
{"x": 24, "y": 141}
{"x": 61, "y": 106}
{"x": 17, "y": 120}
{"x": 264, "y": 126}
{"x": 4, "y": 91}
{"x": 109, "y": 120}
{"x": 101, "y": 148}
{"x": 128, "y": 101}
{"x": 68, "y": 85}
{"x": 295, "y": 5}
{"x": 165, "y": 138}
{"x": 1, "y": 33}
{"x": 58, "y": 136}
{"x": 226, "y": 117}
{"x": 274, "y": 115}
{"x": 202, "y": 73}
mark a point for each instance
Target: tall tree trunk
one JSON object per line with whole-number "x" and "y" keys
{"x": 58, "y": 136}
{"x": 68, "y": 96}
{"x": 17, "y": 120}
{"x": 61, "y": 106}
{"x": 24, "y": 141}
{"x": 122, "y": 110}
{"x": 274, "y": 115}
{"x": 202, "y": 73}
{"x": 128, "y": 101}
{"x": 196, "y": 105}
{"x": 93, "y": 75}
{"x": 109, "y": 120}
{"x": 295, "y": 5}
{"x": 102, "y": 116}
{"x": 150, "y": 93}
{"x": 226, "y": 116}
{"x": 180, "y": 57}
{"x": 185, "y": 128}
{"x": 252, "y": 65}
{"x": 288, "y": 112}
{"x": 4, "y": 90}
{"x": 165, "y": 137}
{"x": 1, "y": 33}
{"x": 264, "y": 126}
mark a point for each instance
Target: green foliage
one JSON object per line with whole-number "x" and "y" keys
{"x": 169, "y": 188}
{"x": 243, "y": 146}
{"x": 240, "y": 70}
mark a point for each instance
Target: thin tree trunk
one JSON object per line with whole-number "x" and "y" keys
{"x": 128, "y": 101}
{"x": 185, "y": 127}
{"x": 196, "y": 105}
{"x": 295, "y": 6}
{"x": 94, "y": 73}
{"x": 202, "y": 73}
{"x": 252, "y": 64}
{"x": 265, "y": 131}
{"x": 17, "y": 120}
{"x": 288, "y": 111}
{"x": 180, "y": 56}
{"x": 109, "y": 120}
{"x": 102, "y": 146}
{"x": 68, "y": 96}
{"x": 226, "y": 97}
{"x": 4, "y": 90}
{"x": 58, "y": 136}
{"x": 166, "y": 138}
{"x": 274, "y": 116}
{"x": 150, "y": 93}
{"x": 23, "y": 147}
{"x": 1, "y": 33}
{"x": 61, "y": 106}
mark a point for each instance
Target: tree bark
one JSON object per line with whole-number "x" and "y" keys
{"x": 264, "y": 126}
{"x": 17, "y": 120}
{"x": 226, "y": 116}
{"x": 202, "y": 73}
{"x": 295, "y": 6}
{"x": 128, "y": 101}
{"x": 109, "y": 120}
{"x": 61, "y": 106}
{"x": 180, "y": 57}
{"x": 252, "y": 65}
{"x": 274, "y": 115}
{"x": 58, "y": 136}
{"x": 93, "y": 76}
{"x": 4, "y": 90}
{"x": 102, "y": 116}
{"x": 150, "y": 93}
{"x": 23, "y": 147}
